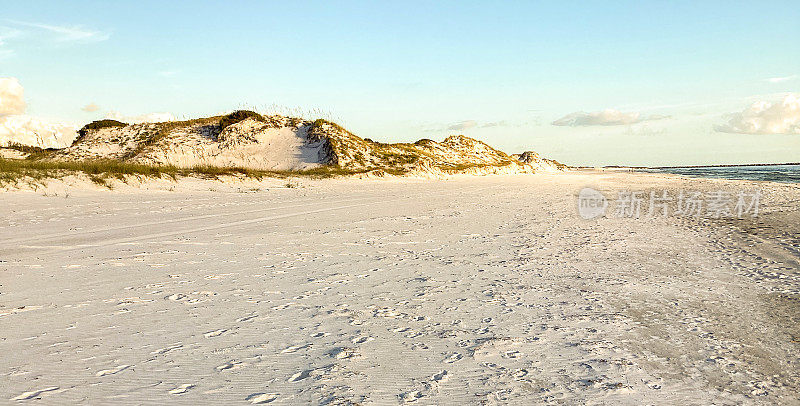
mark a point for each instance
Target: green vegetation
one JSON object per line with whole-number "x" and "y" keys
{"x": 163, "y": 129}
{"x": 13, "y": 171}
{"x": 316, "y": 124}
{"x": 237, "y": 116}
{"x": 96, "y": 125}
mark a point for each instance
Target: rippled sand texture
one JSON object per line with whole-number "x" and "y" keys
{"x": 474, "y": 290}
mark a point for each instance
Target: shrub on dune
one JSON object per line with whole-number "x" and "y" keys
{"x": 237, "y": 116}
{"x": 96, "y": 125}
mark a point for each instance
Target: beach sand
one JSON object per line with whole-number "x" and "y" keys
{"x": 470, "y": 290}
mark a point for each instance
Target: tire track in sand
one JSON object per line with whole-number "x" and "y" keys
{"x": 152, "y": 223}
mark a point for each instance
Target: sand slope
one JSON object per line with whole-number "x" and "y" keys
{"x": 281, "y": 144}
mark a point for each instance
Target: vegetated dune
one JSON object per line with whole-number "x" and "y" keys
{"x": 249, "y": 140}
{"x": 533, "y": 158}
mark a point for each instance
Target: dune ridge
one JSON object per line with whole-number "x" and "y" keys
{"x": 289, "y": 144}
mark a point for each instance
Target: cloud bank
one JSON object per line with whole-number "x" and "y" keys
{"x": 17, "y": 127}
{"x": 12, "y": 97}
{"x": 762, "y": 117}
{"x": 24, "y": 129}
{"x": 605, "y": 117}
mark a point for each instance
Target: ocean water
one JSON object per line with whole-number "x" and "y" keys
{"x": 773, "y": 173}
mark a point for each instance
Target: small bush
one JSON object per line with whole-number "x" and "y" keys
{"x": 237, "y": 116}
{"x": 96, "y": 125}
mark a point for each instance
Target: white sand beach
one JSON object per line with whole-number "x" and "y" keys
{"x": 470, "y": 290}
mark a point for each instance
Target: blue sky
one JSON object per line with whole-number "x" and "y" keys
{"x": 678, "y": 72}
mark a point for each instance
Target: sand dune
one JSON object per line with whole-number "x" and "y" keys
{"x": 250, "y": 140}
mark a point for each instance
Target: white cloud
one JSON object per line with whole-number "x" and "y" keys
{"x": 605, "y": 117}
{"x": 65, "y": 33}
{"x": 781, "y": 79}
{"x": 90, "y": 108}
{"x": 12, "y": 99}
{"x": 462, "y": 125}
{"x": 144, "y": 118}
{"x": 24, "y": 129}
{"x": 763, "y": 117}
{"x": 16, "y": 127}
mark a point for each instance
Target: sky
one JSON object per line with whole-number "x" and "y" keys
{"x": 585, "y": 83}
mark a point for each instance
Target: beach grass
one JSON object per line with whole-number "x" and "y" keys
{"x": 14, "y": 171}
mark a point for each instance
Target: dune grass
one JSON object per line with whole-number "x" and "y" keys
{"x": 237, "y": 116}
{"x": 31, "y": 151}
{"x": 14, "y": 171}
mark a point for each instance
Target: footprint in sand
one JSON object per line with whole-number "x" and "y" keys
{"x": 362, "y": 339}
{"x": 246, "y": 318}
{"x": 411, "y": 396}
{"x": 300, "y": 375}
{"x": 261, "y": 398}
{"x": 440, "y": 377}
{"x": 388, "y": 313}
{"x": 166, "y": 349}
{"x": 320, "y": 334}
{"x": 453, "y": 358}
{"x": 342, "y": 353}
{"x": 34, "y": 393}
{"x": 112, "y": 371}
{"x": 227, "y": 365}
{"x": 177, "y": 297}
{"x": 519, "y": 373}
{"x": 295, "y": 348}
{"x": 215, "y": 333}
{"x": 653, "y": 385}
{"x": 182, "y": 389}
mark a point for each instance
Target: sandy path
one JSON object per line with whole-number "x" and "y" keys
{"x": 467, "y": 291}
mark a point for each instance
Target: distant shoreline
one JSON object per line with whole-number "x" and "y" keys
{"x": 782, "y": 173}
{"x": 694, "y": 166}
